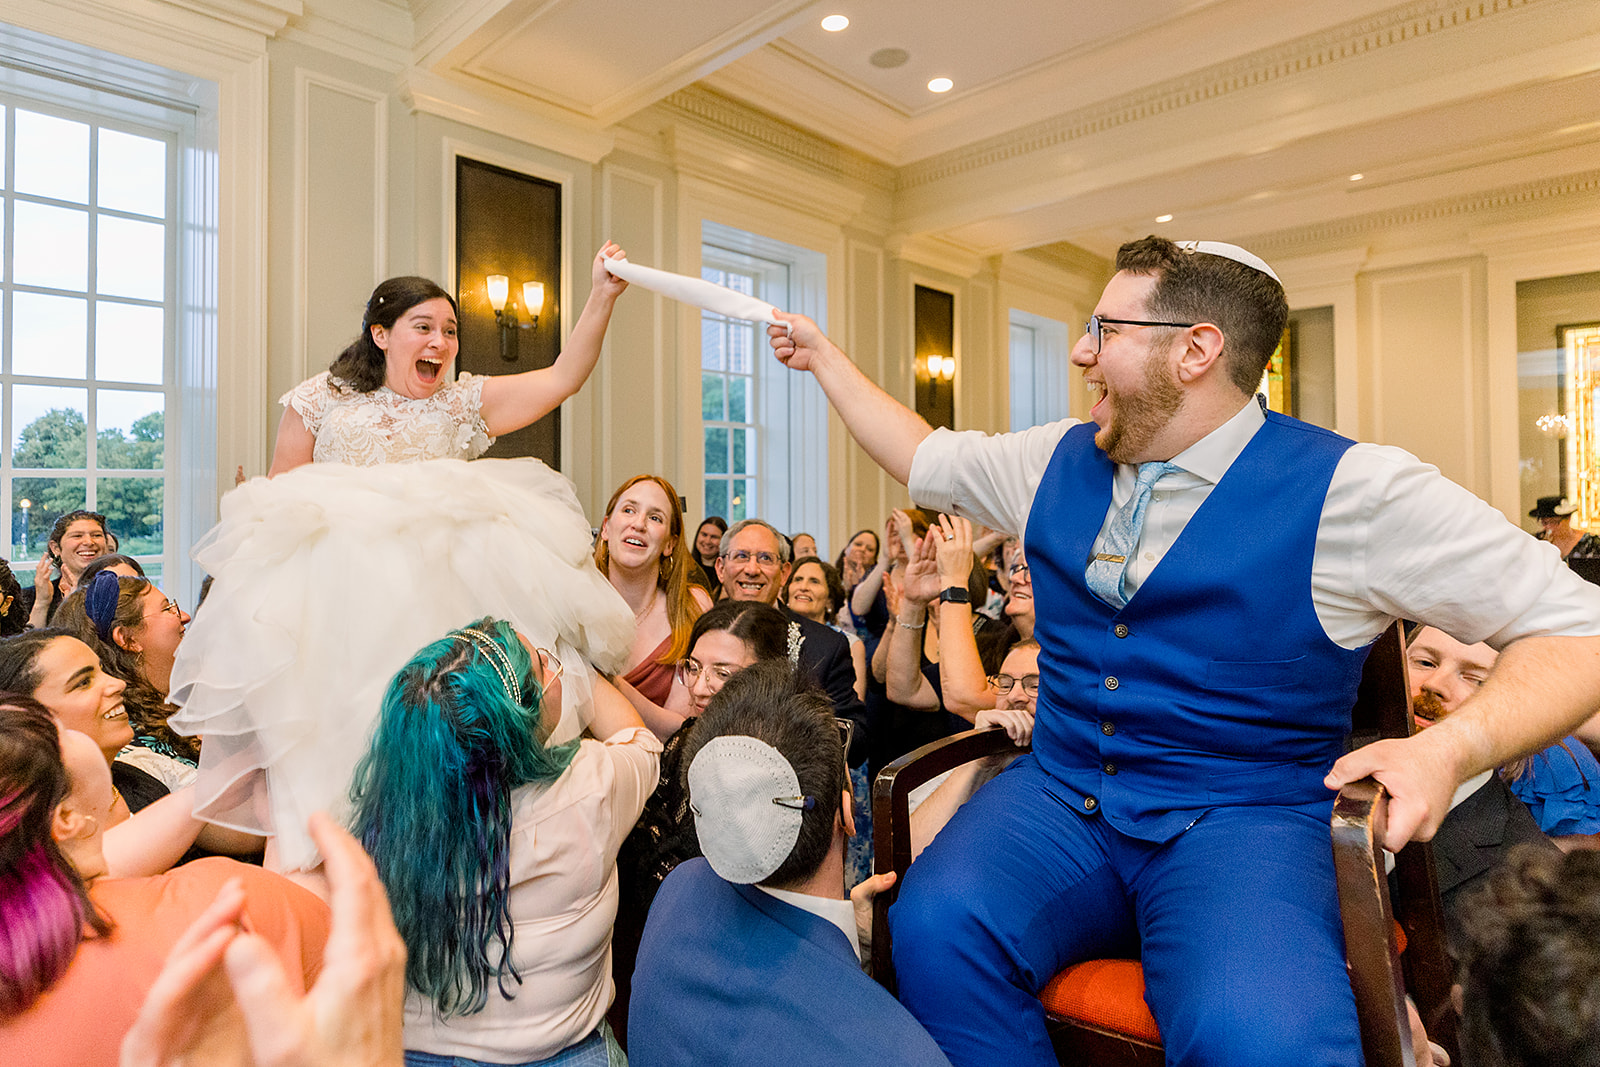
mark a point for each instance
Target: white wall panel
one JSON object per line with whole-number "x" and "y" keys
{"x": 1425, "y": 363}
{"x": 341, "y": 212}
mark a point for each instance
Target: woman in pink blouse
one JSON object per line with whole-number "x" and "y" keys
{"x": 498, "y": 850}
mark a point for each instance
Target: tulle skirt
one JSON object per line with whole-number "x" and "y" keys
{"x": 328, "y": 578}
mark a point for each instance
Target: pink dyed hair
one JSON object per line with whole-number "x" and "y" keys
{"x": 44, "y": 905}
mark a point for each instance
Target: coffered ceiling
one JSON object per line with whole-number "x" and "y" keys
{"x": 1082, "y": 120}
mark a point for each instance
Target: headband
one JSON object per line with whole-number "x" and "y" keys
{"x": 1233, "y": 252}
{"x": 100, "y": 602}
{"x": 497, "y": 659}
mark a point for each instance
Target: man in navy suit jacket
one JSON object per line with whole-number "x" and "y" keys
{"x": 753, "y": 564}
{"x": 750, "y": 955}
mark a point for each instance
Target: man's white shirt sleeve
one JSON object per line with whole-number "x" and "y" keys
{"x": 1396, "y": 539}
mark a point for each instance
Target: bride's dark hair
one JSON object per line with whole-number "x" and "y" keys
{"x": 361, "y": 365}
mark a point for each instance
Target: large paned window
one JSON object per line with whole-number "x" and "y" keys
{"x": 104, "y": 247}
{"x": 88, "y": 302}
{"x": 764, "y": 426}
{"x": 1041, "y": 371}
{"x": 729, "y": 349}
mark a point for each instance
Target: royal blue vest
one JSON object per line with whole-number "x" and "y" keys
{"x": 1215, "y": 685}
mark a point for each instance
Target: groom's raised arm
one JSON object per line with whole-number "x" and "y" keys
{"x": 886, "y": 428}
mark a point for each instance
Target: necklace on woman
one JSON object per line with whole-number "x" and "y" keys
{"x": 639, "y": 615}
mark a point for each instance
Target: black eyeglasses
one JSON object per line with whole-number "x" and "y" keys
{"x": 1095, "y": 322}
{"x": 847, "y": 732}
{"x": 1004, "y": 683}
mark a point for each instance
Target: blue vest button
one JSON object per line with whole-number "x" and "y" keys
{"x": 1090, "y": 803}
{"x": 1110, "y": 768}
{"x": 1121, "y": 629}
{"x": 1108, "y": 728}
{"x": 1112, "y": 683}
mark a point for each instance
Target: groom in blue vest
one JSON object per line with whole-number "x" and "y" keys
{"x": 1208, "y": 578}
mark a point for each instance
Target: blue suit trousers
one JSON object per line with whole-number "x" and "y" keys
{"x": 1236, "y": 920}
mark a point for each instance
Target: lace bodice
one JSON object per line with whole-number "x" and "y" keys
{"x": 364, "y": 429}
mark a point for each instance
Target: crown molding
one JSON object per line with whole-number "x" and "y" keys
{"x": 187, "y": 35}
{"x": 776, "y": 137}
{"x": 716, "y": 160}
{"x": 937, "y": 253}
{"x": 1546, "y": 194}
{"x": 431, "y": 94}
{"x": 265, "y": 17}
{"x": 1354, "y": 40}
{"x": 375, "y": 33}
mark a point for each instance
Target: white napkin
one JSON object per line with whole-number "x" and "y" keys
{"x": 696, "y": 291}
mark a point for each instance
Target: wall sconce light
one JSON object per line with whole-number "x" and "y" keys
{"x": 941, "y": 368}
{"x": 505, "y": 313}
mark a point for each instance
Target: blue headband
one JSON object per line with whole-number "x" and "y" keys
{"x": 100, "y": 602}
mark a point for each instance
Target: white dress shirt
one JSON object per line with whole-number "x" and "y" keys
{"x": 1396, "y": 539}
{"x": 841, "y": 913}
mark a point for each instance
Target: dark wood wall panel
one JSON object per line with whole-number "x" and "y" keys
{"x": 509, "y": 223}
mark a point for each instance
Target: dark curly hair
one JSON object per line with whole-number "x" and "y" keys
{"x": 1249, "y": 307}
{"x": 1530, "y": 960}
{"x": 361, "y": 365}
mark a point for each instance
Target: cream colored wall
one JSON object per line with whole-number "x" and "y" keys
{"x": 1426, "y": 323}
{"x": 1423, "y": 366}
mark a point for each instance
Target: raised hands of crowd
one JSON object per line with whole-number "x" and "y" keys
{"x": 922, "y": 579}
{"x": 954, "y": 544}
{"x": 223, "y": 998}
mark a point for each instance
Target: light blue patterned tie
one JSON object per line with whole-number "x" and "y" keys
{"x": 1109, "y": 564}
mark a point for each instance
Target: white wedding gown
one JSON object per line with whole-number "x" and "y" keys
{"x": 328, "y": 578}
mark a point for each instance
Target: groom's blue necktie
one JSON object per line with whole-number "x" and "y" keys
{"x": 1111, "y": 562}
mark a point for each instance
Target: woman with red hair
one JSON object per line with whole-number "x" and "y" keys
{"x": 642, "y": 552}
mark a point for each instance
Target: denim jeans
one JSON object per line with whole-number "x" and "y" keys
{"x": 590, "y": 1052}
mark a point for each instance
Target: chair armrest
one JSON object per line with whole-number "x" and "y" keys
{"x": 1359, "y": 816}
{"x": 891, "y": 818}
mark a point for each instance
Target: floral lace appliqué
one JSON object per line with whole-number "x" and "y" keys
{"x": 364, "y": 429}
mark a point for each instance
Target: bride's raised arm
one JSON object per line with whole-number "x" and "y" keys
{"x": 512, "y": 401}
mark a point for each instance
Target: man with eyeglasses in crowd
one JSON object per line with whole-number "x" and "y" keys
{"x": 1209, "y": 578}
{"x": 753, "y": 564}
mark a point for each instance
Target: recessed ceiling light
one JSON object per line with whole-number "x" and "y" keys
{"x": 835, "y": 23}
{"x": 1357, "y": 177}
{"x": 1163, "y": 218}
{"x": 940, "y": 85}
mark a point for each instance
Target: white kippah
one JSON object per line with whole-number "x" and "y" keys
{"x": 1233, "y": 252}
{"x": 747, "y": 807}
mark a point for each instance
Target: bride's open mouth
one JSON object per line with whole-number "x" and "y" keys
{"x": 429, "y": 370}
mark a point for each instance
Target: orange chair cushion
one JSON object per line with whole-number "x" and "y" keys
{"x": 1108, "y": 994}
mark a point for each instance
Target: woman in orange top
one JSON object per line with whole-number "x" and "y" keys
{"x": 78, "y": 948}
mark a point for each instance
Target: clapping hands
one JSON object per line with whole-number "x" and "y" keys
{"x": 223, "y": 998}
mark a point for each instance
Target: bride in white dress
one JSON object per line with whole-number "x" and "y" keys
{"x": 372, "y": 537}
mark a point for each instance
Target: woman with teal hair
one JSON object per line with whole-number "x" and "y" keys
{"x": 499, "y": 850}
